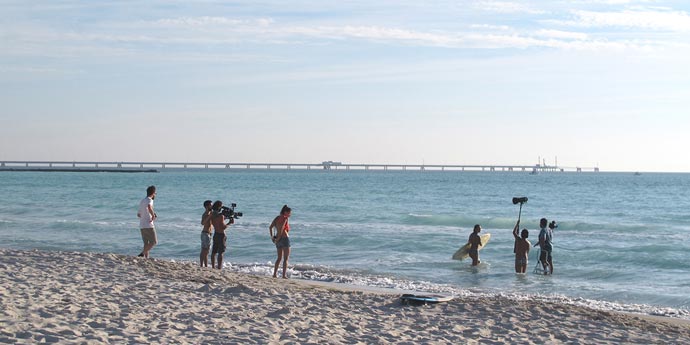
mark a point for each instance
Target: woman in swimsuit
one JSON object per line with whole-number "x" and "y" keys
{"x": 475, "y": 242}
{"x": 281, "y": 239}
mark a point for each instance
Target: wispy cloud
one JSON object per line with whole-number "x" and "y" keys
{"x": 559, "y": 34}
{"x": 654, "y": 19}
{"x": 506, "y": 7}
{"x": 205, "y": 21}
{"x": 186, "y": 33}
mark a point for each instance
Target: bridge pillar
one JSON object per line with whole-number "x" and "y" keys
{"x": 366, "y": 167}
{"x": 50, "y": 165}
{"x": 119, "y": 165}
{"x": 227, "y": 166}
{"x": 96, "y": 165}
{"x": 249, "y": 166}
{"x": 206, "y": 166}
{"x": 141, "y": 165}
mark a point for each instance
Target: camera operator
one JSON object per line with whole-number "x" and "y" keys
{"x": 219, "y": 237}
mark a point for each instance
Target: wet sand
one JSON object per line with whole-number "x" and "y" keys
{"x": 108, "y": 298}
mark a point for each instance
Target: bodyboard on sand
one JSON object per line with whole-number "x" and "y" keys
{"x": 424, "y": 298}
{"x": 464, "y": 251}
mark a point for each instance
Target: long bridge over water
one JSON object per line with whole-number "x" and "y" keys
{"x": 327, "y": 165}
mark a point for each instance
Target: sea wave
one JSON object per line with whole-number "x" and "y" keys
{"x": 467, "y": 221}
{"x": 377, "y": 281}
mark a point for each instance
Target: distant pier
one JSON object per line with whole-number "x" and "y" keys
{"x": 327, "y": 165}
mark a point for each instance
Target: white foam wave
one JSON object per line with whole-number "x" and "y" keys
{"x": 324, "y": 274}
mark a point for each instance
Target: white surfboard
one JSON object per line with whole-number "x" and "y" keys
{"x": 464, "y": 251}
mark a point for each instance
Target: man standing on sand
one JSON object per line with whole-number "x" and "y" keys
{"x": 146, "y": 217}
{"x": 205, "y": 234}
{"x": 219, "y": 237}
{"x": 545, "y": 237}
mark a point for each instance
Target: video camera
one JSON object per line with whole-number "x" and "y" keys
{"x": 520, "y": 200}
{"x": 229, "y": 212}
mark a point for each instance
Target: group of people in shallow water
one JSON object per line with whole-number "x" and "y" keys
{"x": 522, "y": 246}
{"x": 215, "y": 241}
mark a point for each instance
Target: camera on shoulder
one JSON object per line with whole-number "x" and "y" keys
{"x": 229, "y": 212}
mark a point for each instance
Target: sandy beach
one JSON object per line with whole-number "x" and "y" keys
{"x": 107, "y": 298}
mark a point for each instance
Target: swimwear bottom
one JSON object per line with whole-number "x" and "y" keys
{"x": 545, "y": 256}
{"x": 283, "y": 243}
{"x": 205, "y": 240}
{"x": 218, "y": 243}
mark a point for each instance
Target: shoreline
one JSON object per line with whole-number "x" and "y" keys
{"x": 93, "y": 297}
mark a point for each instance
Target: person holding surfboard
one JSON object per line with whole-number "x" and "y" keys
{"x": 522, "y": 247}
{"x": 475, "y": 242}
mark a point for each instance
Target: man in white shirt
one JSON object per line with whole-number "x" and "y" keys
{"x": 146, "y": 218}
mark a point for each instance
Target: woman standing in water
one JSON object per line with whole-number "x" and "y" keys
{"x": 281, "y": 239}
{"x": 475, "y": 242}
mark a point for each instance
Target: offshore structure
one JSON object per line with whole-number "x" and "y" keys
{"x": 92, "y": 166}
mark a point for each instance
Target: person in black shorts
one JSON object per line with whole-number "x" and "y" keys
{"x": 475, "y": 241}
{"x": 219, "y": 236}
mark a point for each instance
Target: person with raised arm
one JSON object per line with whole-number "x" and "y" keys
{"x": 522, "y": 247}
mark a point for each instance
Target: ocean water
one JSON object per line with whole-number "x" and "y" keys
{"x": 622, "y": 242}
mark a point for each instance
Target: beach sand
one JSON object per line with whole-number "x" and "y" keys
{"x": 108, "y": 298}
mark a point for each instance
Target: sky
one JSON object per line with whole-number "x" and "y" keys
{"x": 593, "y": 82}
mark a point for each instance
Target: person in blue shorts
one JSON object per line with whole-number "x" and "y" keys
{"x": 205, "y": 234}
{"x": 281, "y": 239}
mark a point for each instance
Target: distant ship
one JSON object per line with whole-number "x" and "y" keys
{"x": 637, "y": 173}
